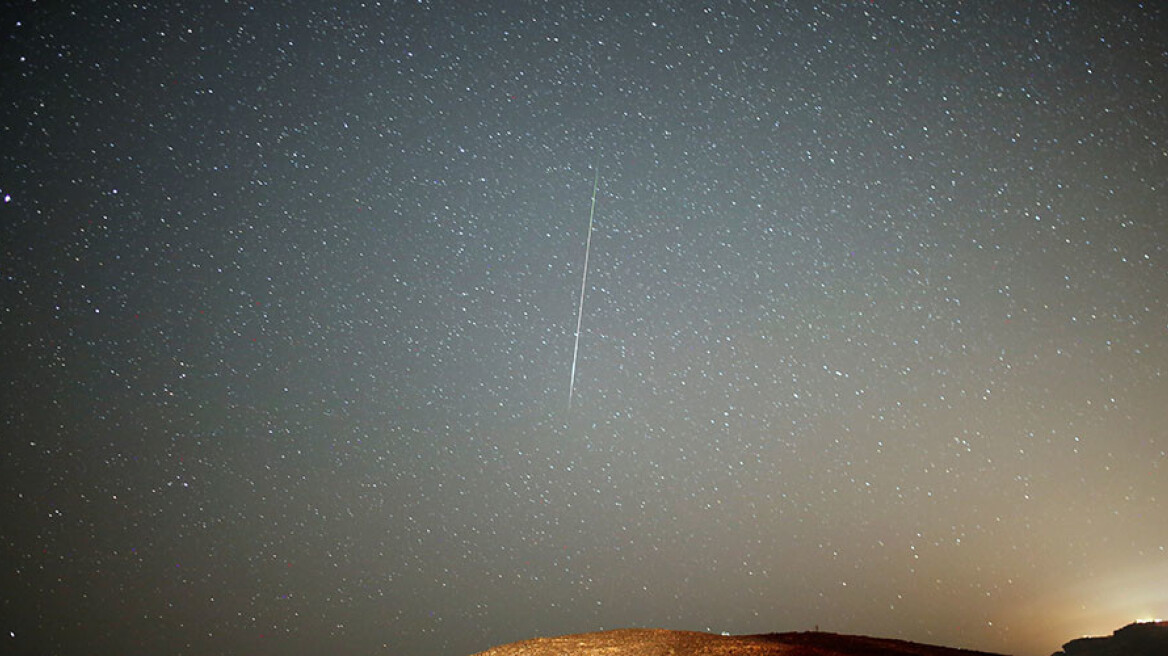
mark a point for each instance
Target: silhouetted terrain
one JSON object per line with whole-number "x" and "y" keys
{"x": 1141, "y": 639}
{"x": 660, "y": 642}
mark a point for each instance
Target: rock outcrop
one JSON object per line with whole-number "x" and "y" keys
{"x": 1139, "y": 639}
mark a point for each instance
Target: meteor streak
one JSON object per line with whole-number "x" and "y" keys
{"x": 583, "y": 286}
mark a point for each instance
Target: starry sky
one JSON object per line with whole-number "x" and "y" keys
{"x": 874, "y": 336}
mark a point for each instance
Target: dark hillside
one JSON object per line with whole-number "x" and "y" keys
{"x": 660, "y": 642}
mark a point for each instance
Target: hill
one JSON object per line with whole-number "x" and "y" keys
{"x": 1139, "y": 639}
{"x": 660, "y": 642}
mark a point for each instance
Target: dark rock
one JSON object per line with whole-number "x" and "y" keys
{"x": 1139, "y": 639}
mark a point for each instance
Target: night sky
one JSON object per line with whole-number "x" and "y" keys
{"x": 875, "y": 332}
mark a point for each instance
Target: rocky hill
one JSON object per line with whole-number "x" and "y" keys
{"x": 660, "y": 642}
{"x": 1140, "y": 639}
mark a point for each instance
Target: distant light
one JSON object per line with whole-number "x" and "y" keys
{"x": 1148, "y": 620}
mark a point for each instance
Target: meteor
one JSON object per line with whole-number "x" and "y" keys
{"x": 583, "y": 286}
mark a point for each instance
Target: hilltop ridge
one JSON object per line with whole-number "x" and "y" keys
{"x": 662, "y": 642}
